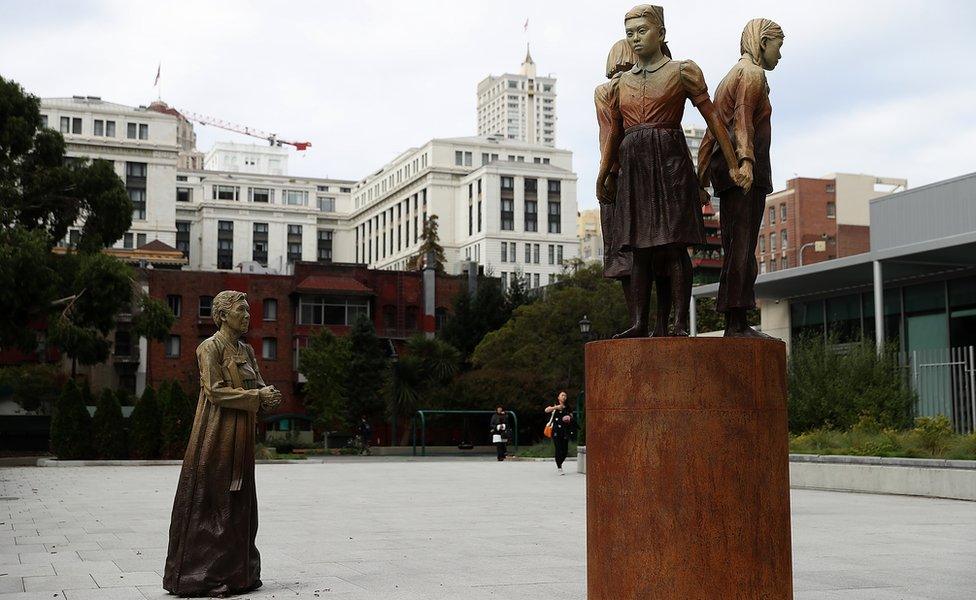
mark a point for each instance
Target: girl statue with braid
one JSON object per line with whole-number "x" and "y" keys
{"x": 646, "y": 171}
{"x": 742, "y": 103}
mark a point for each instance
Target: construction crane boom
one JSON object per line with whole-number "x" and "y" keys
{"x": 272, "y": 138}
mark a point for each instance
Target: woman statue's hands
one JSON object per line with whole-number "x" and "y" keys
{"x": 270, "y": 397}
{"x": 606, "y": 189}
{"x": 743, "y": 176}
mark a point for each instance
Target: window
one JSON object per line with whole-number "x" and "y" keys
{"x": 555, "y": 217}
{"x": 531, "y": 215}
{"x": 762, "y": 243}
{"x": 135, "y": 169}
{"x": 504, "y": 251}
{"x": 528, "y": 253}
{"x": 772, "y": 215}
{"x": 206, "y": 303}
{"x": 535, "y": 253}
{"x": 508, "y": 214}
{"x": 183, "y": 237}
{"x": 782, "y": 212}
{"x": 173, "y": 347}
{"x": 175, "y": 303}
{"x": 331, "y": 310}
{"x": 143, "y": 131}
{"x": 225, "y": 244}
{"x": 296, "y": 197}
{"x": 772, "y": 264}
{"x": 184, "y": 194}
{"x": 138, "y": 199}
{"x": 225, "y": 192}
{"x": 772, "y": 242}
{"x": 99, "y": 127}
{"x": 123, "y": 343}
{"x": 65, "y": 125}
{"x": 75, "y": 125}
{"x": 559, "y": 254}
{"x": 140, "y": 240}
{"x": 782, "y": 239}
{"x": 345, "y": 190}
{"x": 552, "y": 254}
{"x": 270, "y": 312}
{"x": 294, "y": 243}
{"x": 269, "y": 348}
{"x": 259, "y": 244}
{"x": 263, "y": 195}
{"x": 555, "y": 186}
{"x": 508, "y": 183}
{"x": 458, "y": 158}
{"x": 535, "y": 280}
{"x": 831, "y": 210}
{"x": 325, "y": 245}
{"x": 326, "y": 203}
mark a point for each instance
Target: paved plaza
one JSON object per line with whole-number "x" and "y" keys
{"x": 437, "y": 529}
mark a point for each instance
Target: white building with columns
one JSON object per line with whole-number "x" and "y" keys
{"x": 508, "y": 206}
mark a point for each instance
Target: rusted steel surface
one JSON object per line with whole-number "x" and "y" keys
{"x": 687, "y": 486}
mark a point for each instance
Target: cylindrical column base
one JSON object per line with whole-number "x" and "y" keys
{"x": 688, "y": 470}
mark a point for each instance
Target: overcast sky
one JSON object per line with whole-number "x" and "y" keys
{"x": 880, "y": 87}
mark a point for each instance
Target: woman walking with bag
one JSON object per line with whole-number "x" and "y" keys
{"x": 499, "y": 432}
{"x": 561, "y": 428}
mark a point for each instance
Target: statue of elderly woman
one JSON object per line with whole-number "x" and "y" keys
{"x": 215, "y": 513}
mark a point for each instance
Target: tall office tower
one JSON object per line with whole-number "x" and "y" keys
{"x": 518, "y": 107}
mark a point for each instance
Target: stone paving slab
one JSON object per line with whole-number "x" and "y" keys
{"x": 435, "y": 529}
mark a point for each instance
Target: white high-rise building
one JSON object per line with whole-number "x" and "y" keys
{"x": 247, "y": 158}
{"x": 142, "y": 146}
{"x": 518, "y": 107}
{"x": 508, "y": 206}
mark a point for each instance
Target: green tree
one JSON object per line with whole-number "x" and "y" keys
{"x": 426, "y": 365}
{"x": 71, "y": 425}
{"x": 517, "y": 293}
{"x": 429, "y": 243}
{"x": 366, "y": 367}
{"x": 177, "y": 414}
{"x": 325, "y": 365}
{"x": 543, "y": 337}
{"x": 35, "y": 388}
{"x": 154, "y": 319}
{"x": 473, "y": 318}
{"x": 710, "y": 319}
{"x": 144, "y": 426}
{"x": 108, "y": 428}
{"x": 831, "y": 386}
{"x": 77, "y": 294}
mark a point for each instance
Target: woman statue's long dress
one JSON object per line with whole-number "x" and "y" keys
{"x": 215, "y": 514}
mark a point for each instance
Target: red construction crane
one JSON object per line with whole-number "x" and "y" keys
{"x": 272, "y": 138}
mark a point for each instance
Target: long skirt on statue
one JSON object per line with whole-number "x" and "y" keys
{"x": 657, "y": 202}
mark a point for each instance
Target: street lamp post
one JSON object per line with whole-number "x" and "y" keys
{"x": 587, "y": 335}
{"x": 818, "y": 246}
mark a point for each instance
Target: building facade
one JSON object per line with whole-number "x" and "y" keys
{"x": 140, "y": 143}
{"x": 832, "y": 210}
{"x": 507, "y": 206}
{"x": 518, "y": 107}
{"x": 286, "y": 310}
{"x": 247, "y": 158}
{"x": 233, "y": 221}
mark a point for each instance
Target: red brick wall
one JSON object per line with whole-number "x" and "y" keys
{"x": 853, "y": 239}
{"x": 806, "y": 221}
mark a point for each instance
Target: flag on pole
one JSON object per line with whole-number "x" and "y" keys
{"x": 526, "y": 26}
{"x": 158, "y": 70}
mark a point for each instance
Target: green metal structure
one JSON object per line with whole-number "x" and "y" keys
{"x": 422, "y": 414}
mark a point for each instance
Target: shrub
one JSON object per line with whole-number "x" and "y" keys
{"x": 830, "y": 388}
{"x": 34, "y": 387}
{"x": 144, "y": 425}
{"x": 932, "y": 435}
{"x": 108, "y": 427}
{"x": 71, "y": 425}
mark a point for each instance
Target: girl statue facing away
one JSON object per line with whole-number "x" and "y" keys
{"x": 215, "y": 513}
{"x": 742, "y": 103}
{"x": 646, "y": 170}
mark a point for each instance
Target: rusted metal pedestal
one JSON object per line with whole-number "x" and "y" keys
{"x": 687, "y": 491}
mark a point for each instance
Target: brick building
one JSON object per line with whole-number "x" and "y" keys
{"x": 286, "y": 310}
{"x": 832, "y": 210}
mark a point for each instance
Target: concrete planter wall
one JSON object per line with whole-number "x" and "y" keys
{"x": 954, "y": 479}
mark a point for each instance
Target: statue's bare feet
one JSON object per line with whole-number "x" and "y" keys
{"x": 680, "y": 332}
{"x": 660, "y": 330}
{"x": 636, "y": 331}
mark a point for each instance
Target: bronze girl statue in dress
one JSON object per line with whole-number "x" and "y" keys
{"x": 646, "y": 170}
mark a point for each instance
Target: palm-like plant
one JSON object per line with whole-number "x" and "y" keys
{"x": 426, "y": 363}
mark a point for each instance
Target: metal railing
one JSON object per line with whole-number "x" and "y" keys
{"x": 945, "y": 381}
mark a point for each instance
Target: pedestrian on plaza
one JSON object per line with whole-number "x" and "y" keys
{"x": 499, "y": 432}
{"x": 563, "y": 429}
{"x": 365, "y": 433}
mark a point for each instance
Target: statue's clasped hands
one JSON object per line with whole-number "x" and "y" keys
{"x": 270, "y": 397}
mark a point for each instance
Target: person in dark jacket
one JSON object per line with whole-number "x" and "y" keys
{"x": 563, "y": 429}
{"x": 499, "y": 431}
{"x": 365, "y": 432}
